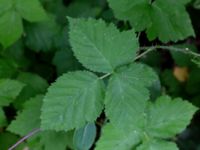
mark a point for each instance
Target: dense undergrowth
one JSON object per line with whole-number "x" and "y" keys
{"x": 97, "y": 74}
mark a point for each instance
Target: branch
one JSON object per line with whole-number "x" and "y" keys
{"x": 104, "y": 76}
{"x": 148, "y": 49}
{"x": 24, "y": 138}
{"x": 152, "y": 48}
{"x": 171, "y": 48}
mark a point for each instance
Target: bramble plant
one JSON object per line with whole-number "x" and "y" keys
{"x": 109, "y": 89}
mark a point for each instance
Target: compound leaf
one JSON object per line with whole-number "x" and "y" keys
{"x": 101, "y": 47}
{"x": 73, "y": 100}
{"x": 160, "y": 124}
{"x": 157, "y": 18}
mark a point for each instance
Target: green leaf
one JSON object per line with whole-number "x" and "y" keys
{"x": 82, "y": 9}
{"x": 168, "y": 117}
{"x": 127, "y": 94}
{"x": 3, "y": 120}
{"x": 126, "y": 10}
{"x": 7, "y": 68}
{"x": 11, "y": 14}
{"x": 62, "y": 39}
{"x": 16, "y": 55}
{"x": 11, "y": 28}
{"x": 34, "y": 144}
{"x": 166, "y": 28}
{"x": 5, "y": 5}
{"x": 7, "y": 140}
{"x": 84, "y": 137}
{"x": 34, "y": 85}
{"x": 65, "y": 61}
{"x": 73, "y": 100}
{"x": 101, "y": 47}
{"x": 114, "y": 138}
{"x": 9, "y": 90}
{"x": 29, "y": 118}
{"x": 40, "y": 36}
{"x": 50, "y": 140}
{"x": 37, "y": 83}
{"x": 157, "y": 18}
{"x": 160, "y": 124}
{"x": 158, "y": 145}
{"x": 55, "y": 140}
{"x": 57, "y": 7}
{"x": 30, "y": 10}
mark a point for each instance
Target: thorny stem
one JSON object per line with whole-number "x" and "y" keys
{"x": 24, "y": 138}
{"x": 152, "y": 48}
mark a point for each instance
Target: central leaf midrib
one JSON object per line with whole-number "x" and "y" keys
{"x": 97, "y": 50}
{"x": 77, "y": 94}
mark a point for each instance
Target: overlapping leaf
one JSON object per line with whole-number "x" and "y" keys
{"x": 11, "y": 14}
{"x": 30, "y": 10}
{"x": 34, "y": 81}
{"x": 9, "y": 33}
{"x": 65, "y": 61}
{"x": 7, "y": 68}
{"x": 101, "y": 47}
{"x": 34, "y": 85}
{"x": 167, "y": 20}
{"x": 41, "y": 36}
{"x": 9, "y": 90}
{"x": 73, "y": 100}
{"x": 29, "y": 118}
